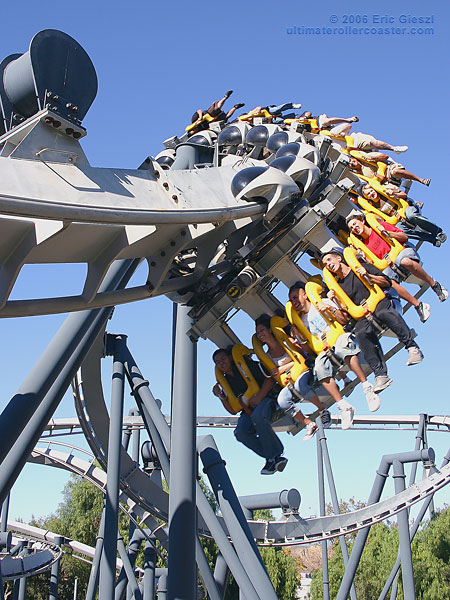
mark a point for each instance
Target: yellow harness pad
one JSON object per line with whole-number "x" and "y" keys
{"x": 368, "y": 207}
{"x": 376, "y": 293}
{"x": 395, "y": 245}
{"x": 207, "y": 118}
{"x": 313, "y": 291}
{"x": 265, "y": 114}
{"x": 238, "y": 353}
{"x": 304, "y": 121}
{"x": 277, "y": 324}
{"x": 400, "y": 204}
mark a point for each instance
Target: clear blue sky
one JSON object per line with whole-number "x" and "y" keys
{"x": 156, "y": 64}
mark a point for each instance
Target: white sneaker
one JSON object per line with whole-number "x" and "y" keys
{"x": 347, "y": 417}
{"x": 297, "y": 106}
{"x": 311, "y": 429}
{"x": 415, "y": 356}
{"x": 399, "y": 149}
{"x": 373, "y": 400}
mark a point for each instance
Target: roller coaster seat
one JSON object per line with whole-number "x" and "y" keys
{"x": 376, "y": 294}
{"x": 380, "y": 263}
{"x": 317, "y": 343}
{"x": 238, "y": 354}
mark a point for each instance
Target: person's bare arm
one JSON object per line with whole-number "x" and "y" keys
{"x": 282, "y": 369}
{"x": 376, "y": 156}
{"x": 400, "y": 236}
{"x": 217, "y": 391}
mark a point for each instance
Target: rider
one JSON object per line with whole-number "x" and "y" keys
{"x": 253, "y": 429}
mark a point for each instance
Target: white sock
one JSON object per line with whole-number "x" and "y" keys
{"x": 366, "y": 385}
{"x": 343, "y": 404}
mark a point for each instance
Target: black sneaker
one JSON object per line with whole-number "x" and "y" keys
{"x": 228, "y": 94}
{"x": 280, "y": 463}
{"x": 440, "y": 291}
{"x": 423, "y": 310}
{"x": 325, "y": 417}
{"x": 239, "y": 105}
{"x": 269, "y": 468}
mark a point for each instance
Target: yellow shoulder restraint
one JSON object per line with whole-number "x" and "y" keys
{"x": 277, "y": 325}
{"x": 368, "y": 207}
{"x": 317, "y": 343}
{"x": 206, "y": 118}
{"x": 238, "y": 353}
{"x": 398, "y": 203}
{"x": 265, "y": 114}
{"x": 304, "y": 121}
{"x": 395, "y": 246}
{"x": 376, "y": 293}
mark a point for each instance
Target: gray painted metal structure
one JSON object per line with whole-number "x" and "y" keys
{"x": 200, "y": 240}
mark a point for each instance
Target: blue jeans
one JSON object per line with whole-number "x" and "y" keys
{"x": 277, "y": 111}
{"x": 256, "y": 431}
{"x": 418, "y": 227}
{"x": 289, "y": 403}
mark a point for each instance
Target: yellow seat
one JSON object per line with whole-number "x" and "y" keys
{"x": 363, "y": 157}
{"x": 265, "y": 114}
{"x": 368, "y": 207}
{"x": 375, "y": 296}
{"x": 207, "y": 118}
{"x": 277, "y": 325}
{"x": 395, "y": 245}
{"x": 316, "y": 343}
{"x": 238, "y": 353}
{"x": 399, "y": 204}
{"x": 312, "y": 123}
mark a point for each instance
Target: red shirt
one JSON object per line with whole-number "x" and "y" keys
{"x": 375, "y": 242}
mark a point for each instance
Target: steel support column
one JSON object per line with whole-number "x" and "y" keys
{"x": 93, "y": 575}
{"x": 54, "y": 573}
{"x": 162, "y": 587}
{"x": 109, "y": 554}
{"x": 403, "y": 535}
{"x": 182, "y": 573}
{"x": 234, "y": 518}
{"x": 333, "y": 493}
{"x": 160, "y": 433}
{"x": 149, "y": 571}
{"x": 323, "y": 543}
{"x": 221, "y": 571}
{"x": 375, "y": 494}
{"x": 413, "y": 532}
{"x": 28, "y": 412}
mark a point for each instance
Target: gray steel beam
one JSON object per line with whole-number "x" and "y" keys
{"x": 94, "y": 574}
{"x": 54, "y": 573}
{"x": 133, "y": 587}
{"x": 286, "y": 499}
{"x": 324, "y": 543}
{"x": 333, "y": 493}
{"x": 160, "y": 434}
{"x": 149, "y": 571}
{"x": 182, "y": 576}
{"x": 413, "y": 532}
{"x": 375, "y": 494}
{"x": 5, "y": 511}
{"x": 221, "y": 572}
{"x": 214, "y": 467}
{"x": 403, "y": 535}
{"x": 27, "y": 414}
{"x": 109, "y": 554}
{"x": 162, "y": 587}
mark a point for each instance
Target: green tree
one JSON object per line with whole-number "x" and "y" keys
{"x": 78, "y": 518}
{"x": 431, "y": 557}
